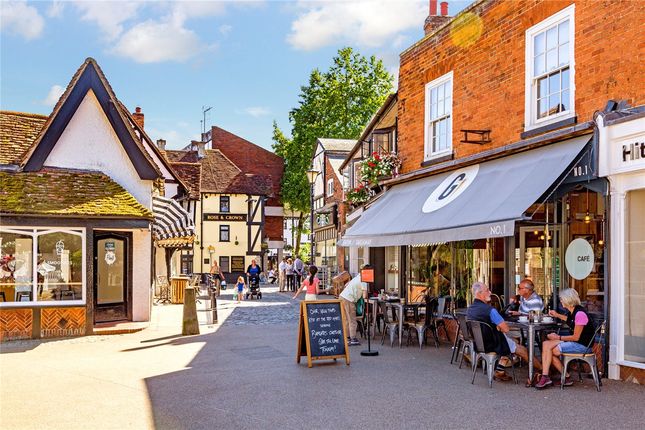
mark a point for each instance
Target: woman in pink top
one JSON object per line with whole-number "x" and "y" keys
{"x": 311, "y": 284}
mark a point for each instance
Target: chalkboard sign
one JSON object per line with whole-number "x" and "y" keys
{"x": 321, "y": 333}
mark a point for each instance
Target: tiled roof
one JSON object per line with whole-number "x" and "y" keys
{"x": 251, "y": 159}
{"x": 66, "y": 192}
{"x": 17, "y": 133}
{"x": 190, "y": 175}
{"x": 337, "y": 145}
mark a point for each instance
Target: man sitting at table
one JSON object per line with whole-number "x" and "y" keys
{"x": 481, "y": 310}
{"x": 529, "y": 299}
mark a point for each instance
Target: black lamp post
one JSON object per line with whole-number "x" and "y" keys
{"x": 312, "y": 174}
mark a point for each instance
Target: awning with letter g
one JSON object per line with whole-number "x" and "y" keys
{"x": 475, "y": 202}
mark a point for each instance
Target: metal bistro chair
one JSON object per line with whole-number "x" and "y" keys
{"x": 588, "y": 357}
{"x": 391, "y": 323}
{"x": 464, "y": 341}
{"x": 477, "y": 328}
{"x": 423, "y": 324}
{"x": 164, "y": 289}
{"x": 438, "y": 321}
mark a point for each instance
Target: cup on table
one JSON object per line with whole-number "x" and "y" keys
{"x": 523, "y": 318}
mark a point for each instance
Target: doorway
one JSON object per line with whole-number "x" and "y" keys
{"x": 538, "y": 258}
{"x": 111, "y": 277}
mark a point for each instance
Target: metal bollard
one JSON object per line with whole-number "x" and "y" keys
{"x": 214, "y": 304}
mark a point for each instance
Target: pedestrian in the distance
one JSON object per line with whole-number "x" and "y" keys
{"x": 298, "y": 270}
{"x": 291, "y": 286}
{"x": 282, "y": 267}
{"x": 217, "y": 276}
{"x": 239, "y": 288}
{"x": 311, "y": 285}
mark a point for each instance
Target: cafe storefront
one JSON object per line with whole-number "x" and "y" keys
{"x": 622, "y": 161}
{"x": 499, "y": 221}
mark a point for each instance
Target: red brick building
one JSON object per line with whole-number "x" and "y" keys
{"x": 497, "y": 111}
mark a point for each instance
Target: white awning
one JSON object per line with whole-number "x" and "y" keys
{"x": 474, "y": 202}
{"x": 171, "y": 220}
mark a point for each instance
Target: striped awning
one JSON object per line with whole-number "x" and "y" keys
{"x": 171, "y": 220}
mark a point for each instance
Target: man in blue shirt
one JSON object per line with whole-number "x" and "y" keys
{"x": 481, "y": 310}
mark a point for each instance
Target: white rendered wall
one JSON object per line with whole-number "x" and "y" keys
{"x": 89, "y": 142}
{"x": 141, "y": 282}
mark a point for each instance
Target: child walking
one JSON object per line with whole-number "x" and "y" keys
{"x": 240, "y": 288}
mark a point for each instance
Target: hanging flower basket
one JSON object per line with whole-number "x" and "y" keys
{"x": 378, "y": 167}
{"x": 358, "y": 195}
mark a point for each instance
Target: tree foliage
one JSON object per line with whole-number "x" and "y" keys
{"x": 337, "y": 104}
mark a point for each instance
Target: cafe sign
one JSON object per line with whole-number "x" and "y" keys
{"x": 451, "y": 188}
{"x": 225, "y": 217}
{"x": 579, "y": 259}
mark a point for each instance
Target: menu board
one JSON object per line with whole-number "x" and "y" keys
{"x": 237, "y": 264}
{"x": 321, "y": 331}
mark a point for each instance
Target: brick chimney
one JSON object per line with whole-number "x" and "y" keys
{"x": 138, "y": 117}
{"x": 434, "y": 21}
{"x": 161, "y": 144}
{"x": 199, "y": 147}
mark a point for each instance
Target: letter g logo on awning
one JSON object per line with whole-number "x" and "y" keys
{"x": 450, "y": 188}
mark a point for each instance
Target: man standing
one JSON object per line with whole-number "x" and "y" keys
{"x": 282, "y": 274}
{"x": 529, "y": 300}
{"x": 354, "y": 290}
{"x": 481, "y": 310}
{"x": 298, "y": 270}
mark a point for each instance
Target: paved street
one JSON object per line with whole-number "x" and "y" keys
{"x": 242, "y": 374}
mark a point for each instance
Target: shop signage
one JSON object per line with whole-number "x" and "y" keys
{"x": 110, "y": 254}
{"x": 321, "y": 334}
{"x": 60, "y": 247}
{"x": 579, "y": 259}
{"x": 237, "y": 264}
{"x": 451, "y": 188}
{"x": 633, "y": 151}
{"x": 582, "y": 170}
{"x": 224, "y": 217}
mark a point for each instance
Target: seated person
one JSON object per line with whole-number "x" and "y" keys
{"x": 481, "y": 310}
{"x": 529, "y": 299}
{"x": 512, "y": 306}
{"x": 272, "y": 278}
{"x": 579, "y": 322}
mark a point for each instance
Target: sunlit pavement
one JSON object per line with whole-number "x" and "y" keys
{"x": 242, "y": 373}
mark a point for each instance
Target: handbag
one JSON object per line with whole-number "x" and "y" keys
{"x": 360, "y": 307}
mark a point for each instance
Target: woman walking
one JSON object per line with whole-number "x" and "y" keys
{"x": 311, "y": 285}
{"x": 291, "y": 277}
{"x": 216, "y": 276}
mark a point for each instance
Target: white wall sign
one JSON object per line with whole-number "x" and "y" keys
{"x": 579, "y": 259}
{"x": 450, "y": 188}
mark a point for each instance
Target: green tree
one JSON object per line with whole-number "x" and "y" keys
{"x": 337, "y": 104}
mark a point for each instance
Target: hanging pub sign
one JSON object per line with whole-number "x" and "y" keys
{"x": 225, "y": 217}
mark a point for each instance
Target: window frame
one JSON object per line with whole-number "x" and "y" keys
{"x": 226, "y": 258}
{"x": 224, "y": 228}
{"x": 531, "y": 120}
{"x": 330, "y": 187}
{"x": 428, "y": 154}
{"x": 35, "y": 233}
{"x": 226, "y": 199}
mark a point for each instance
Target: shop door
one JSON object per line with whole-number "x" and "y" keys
{"x": 538, "y": 258}
{"x": 110, "y": 277}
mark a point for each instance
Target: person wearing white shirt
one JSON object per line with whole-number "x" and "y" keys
{"x": 282, "y": 275}
{"x": 354, "y": 290}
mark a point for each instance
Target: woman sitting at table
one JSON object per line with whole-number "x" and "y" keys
{"x": 583, "y": 332}
{"x": 311, "y": 285}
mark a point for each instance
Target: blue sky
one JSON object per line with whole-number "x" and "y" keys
{"x": 245, "y": 59}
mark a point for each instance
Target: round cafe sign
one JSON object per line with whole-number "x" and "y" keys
{"x": 579, "y": 259}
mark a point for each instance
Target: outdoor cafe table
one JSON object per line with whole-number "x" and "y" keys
{"x": 400, "y": 310}
{"x": 532, "y": 328}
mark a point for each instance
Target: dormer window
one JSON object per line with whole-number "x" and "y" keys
{"x": 550, "y": 70}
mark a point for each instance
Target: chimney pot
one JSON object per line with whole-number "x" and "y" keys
{"x": 161, "y": 144}
{"x": 433, "y": 7}
{"x": 444, "y": 8}
{"x": 137, "y": 109}
{"x": 199, "y": 147}
{"x": 138, "y": 117}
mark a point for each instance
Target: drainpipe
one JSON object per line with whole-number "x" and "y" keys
{"x": 201, "y": 234}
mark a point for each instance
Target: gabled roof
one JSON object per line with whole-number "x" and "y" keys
{"x": 18, "y": 131}
{"x": 337, "y": 145}
{"x": 381, "y": 113}
{"x": 190, "y": 174}
{"x": 264, "y": 166}
{"x": 67, "y": 192}
{"x": 89, "y": 77}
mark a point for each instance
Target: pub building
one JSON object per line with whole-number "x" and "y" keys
{"x": 76, "y": 201}
{"x": 622, "y": 162}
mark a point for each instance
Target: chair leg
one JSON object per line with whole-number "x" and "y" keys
{"x": 392, "y": 334}
{"x": 454, "y": 345}
{"x": 421, "y": 334}
{"x": 565, "y": 366}
{"x": 475, "y": 363}
{"x": 455, "y": 350}
{"x": 594, "y": 372}
{"x": 490, "y": 370}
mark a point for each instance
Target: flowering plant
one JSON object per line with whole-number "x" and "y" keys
{"x": 377, "y": 165}
{"x": 358, "y": 195}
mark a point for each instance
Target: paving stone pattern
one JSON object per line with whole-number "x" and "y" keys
{"x": 273, "y": 308}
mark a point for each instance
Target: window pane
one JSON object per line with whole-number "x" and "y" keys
{"x": 563, "y": 55}
{"x": 542, "y": 108}
{"x": 538, "y": 66}
{"x": 60, "y": 267}
{"x": 440, "y": 92}
{"x": 563, "y": 31}
{"x": 552, "y": 59}
{"x": 448, "y": 104}
{"x": 448, "y": 89}
{"x": 566, "y": 103}
{"x": 565, "y": 79}
{"x": 554, "y": 83}
{"x": 635, "y": 278}
{"x": 551, "y": 38}
{"x": 433, "y": 111}
{"x": 433, "y": 96}
{"x": 538, "y": 44}
{"x": 440, "y": 109}
{"x": 16, "y": 270}
{"x": 554, "y": 103}
{"x": 543, "y": 88}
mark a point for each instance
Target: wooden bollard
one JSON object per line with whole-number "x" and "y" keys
{"x": 190, "y": 324}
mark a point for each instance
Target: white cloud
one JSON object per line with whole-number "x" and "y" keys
{"x": 18, "y": 18}
{"x": 225, "y": 29}
{"x": 107, "y": 15}
{"x": 184, "y": 10}
{"x": 56, "y": 9}
{"x": 363, "y": 23}
{"x": 257, "y": 111}
{"x": 153, "y": 42}
{"x": 54, "y": 94}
